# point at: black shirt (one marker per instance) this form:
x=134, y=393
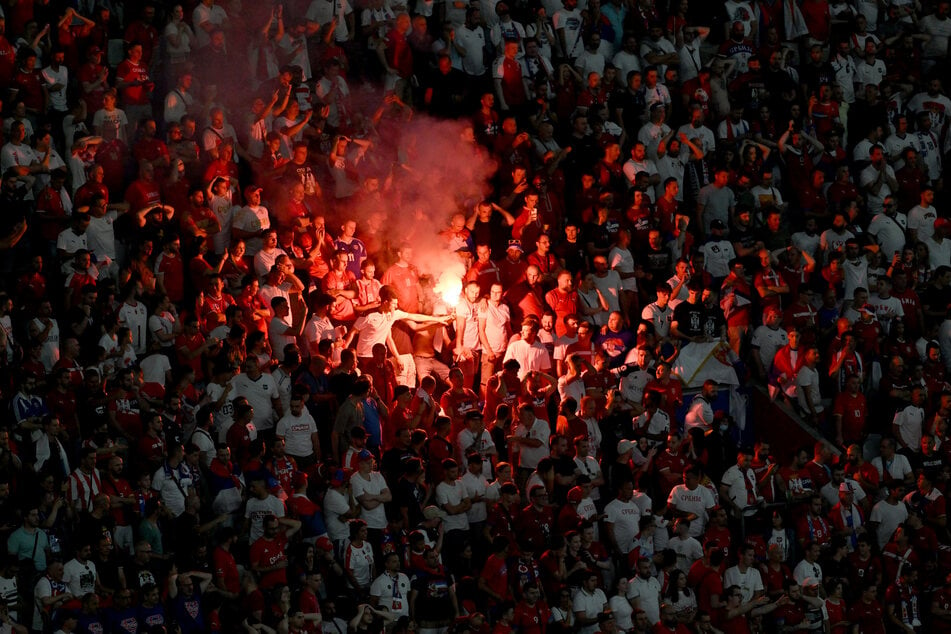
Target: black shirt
x=689, y=318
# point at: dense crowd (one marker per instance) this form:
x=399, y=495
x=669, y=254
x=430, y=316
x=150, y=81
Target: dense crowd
x=365, y=318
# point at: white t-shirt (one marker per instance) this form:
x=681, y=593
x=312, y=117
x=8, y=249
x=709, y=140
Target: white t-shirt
x=360, y=562
x=750, y=582
x=135, y=318
x=170, y=483
x=656, y=424
x=888, y=517
x=909, y=421
x=473, y=486
x=688, y=551
x=452, y=493
x=624, y=517
x=528, y=457
x=259, y=394
x=162, y=323
x=716, y=257
x=374, y=328
x=808, y=377
x=591, y=604
x=375, y=518
x=921, y=219
x=335, y=505
x=224, y=416
x=769, y=342
x=154, y=368
x=647, y=594
x=393, y=594
x=696, y=502
x=661, y=318
x=804, y=570
x=297, y=431
x=80, y=577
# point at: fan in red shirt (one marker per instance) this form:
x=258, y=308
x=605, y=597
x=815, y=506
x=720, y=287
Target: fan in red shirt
x=29, y=84
x=143, y=33
x=458, y=400
x=942, y=601
x=151, y=447
x=670, y=464
x=774, y=572
x=706, y=575
x=864, y=567
x=866, y=613
x=133, y=79
x=396, y=51
x=7, y=56
x=718, y=530
x=668, y=622
x=144, y=191
x=49, y=207
x=93, y=79
x=536, y=522
x=494, y=579
x=812, y=526
x=733, y=618
x=124, y=407
x=531, y=613
x=850, y=411
x=93, y=187
x=268, y=556
x=671, y=390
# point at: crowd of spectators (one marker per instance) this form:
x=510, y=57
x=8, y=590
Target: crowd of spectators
x=242, y=395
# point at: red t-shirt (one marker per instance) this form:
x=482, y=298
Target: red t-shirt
x=129, y=72
x=151, y=449
x=7, y=61
x=853, y=410
x=141, y=194
x=457, y=404
x=868, y=617
x=172, y=269
x=495, y=573
x=126, y=409
x=268, y=553
x=531, y=619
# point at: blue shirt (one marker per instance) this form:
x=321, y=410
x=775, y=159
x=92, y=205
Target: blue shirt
x=21, y=544
x=356, y=253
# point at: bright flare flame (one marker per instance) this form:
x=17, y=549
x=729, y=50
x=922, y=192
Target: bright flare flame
x=449, y=284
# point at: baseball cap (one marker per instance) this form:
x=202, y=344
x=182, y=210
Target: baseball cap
x=432, y=512
x=942, y=223
x=625, y=446
x=250, y=189
x=364, y=455
x=867, y=308
x=717, y=224
x=575, y=494
x=845, y=487
x=338, y=477
x=324, y=543
x=515, y=244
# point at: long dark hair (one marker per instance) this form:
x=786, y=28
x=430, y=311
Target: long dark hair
x=673, y=592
